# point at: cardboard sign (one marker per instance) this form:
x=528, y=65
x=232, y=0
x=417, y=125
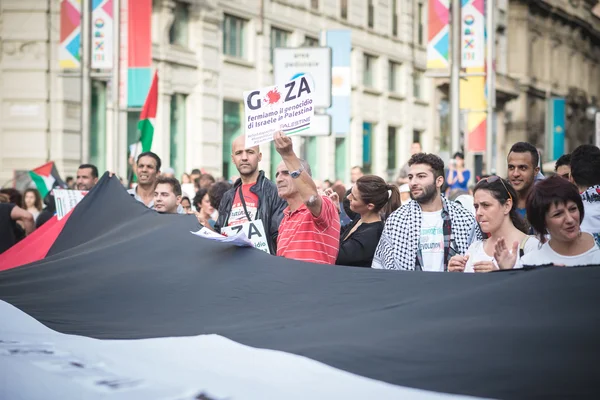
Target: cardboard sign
x=66, y=200
x=253, y=230
x=288, y=108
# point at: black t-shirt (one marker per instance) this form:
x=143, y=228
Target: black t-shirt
x=7, y=227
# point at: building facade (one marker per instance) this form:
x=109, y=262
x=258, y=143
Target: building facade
x=207, y=52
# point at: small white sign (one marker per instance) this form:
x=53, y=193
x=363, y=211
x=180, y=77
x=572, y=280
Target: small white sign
x=320, y=126
x=315, y=62
x=288, y=108
x=253, y=230
x=66, y=200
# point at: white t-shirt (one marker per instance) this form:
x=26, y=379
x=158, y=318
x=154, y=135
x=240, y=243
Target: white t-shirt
x=546, y=255
x=431, y=243
x=477, y=253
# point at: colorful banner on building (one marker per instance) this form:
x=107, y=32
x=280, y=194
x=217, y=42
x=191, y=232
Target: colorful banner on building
x=473, y=106
x=555, y=128
x=438, y=42
x=102, y=34
x=136, y=52
x=340, y=42
x=473, y=33
x=69, y=56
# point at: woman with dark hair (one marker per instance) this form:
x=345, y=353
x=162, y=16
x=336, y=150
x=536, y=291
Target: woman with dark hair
x=554, y=208
x=496, y=213
x=187, y=205
x=458, y=176
x=204, y=208
x=33, y=202
x=373, y=200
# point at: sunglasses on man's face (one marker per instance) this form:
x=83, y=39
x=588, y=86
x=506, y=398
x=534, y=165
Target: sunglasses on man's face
x=494, y=178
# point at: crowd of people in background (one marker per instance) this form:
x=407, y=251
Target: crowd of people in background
x=434, y=217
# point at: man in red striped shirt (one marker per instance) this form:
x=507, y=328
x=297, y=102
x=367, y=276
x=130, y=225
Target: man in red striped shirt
x=310, y=229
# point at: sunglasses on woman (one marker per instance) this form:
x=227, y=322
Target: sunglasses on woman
x=494, y=178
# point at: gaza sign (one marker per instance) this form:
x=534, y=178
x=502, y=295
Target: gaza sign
x=288, y=107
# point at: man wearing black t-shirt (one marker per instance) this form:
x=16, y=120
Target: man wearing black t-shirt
x=9, y=215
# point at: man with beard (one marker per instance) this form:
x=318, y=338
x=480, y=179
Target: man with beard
x=523, y=160
x=424, y=234
x=167, y=195
x=253, y=197
x=87, y=177
x=148, y=168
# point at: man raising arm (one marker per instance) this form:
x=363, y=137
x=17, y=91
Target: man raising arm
x=310, y=229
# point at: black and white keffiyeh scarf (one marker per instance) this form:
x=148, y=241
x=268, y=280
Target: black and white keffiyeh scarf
x=398, y=247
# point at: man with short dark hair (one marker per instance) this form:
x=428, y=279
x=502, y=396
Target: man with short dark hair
x=206, y=181
x=523, y=160
x=253, y=200
x=87, y=177
x=424, y=234
x=167, y=195
x=562, y=167
x=148, y=169
x=585, y=173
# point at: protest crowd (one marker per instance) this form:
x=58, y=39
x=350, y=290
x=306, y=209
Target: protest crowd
x=432, y=218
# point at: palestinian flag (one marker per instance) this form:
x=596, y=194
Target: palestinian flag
x=109, y=312
x=45, y=178
x=147, y=119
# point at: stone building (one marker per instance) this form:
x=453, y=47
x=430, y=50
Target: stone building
x=561, y=57
x=207, y=52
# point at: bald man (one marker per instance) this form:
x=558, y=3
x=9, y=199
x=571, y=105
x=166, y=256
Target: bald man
x=253, y=198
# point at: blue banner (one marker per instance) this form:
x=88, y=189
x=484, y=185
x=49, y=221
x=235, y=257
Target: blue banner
x=555, y=129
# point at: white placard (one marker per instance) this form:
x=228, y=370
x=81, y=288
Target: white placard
x=253, y=230
x=315, y=62
x=66, y=200
x=288, y=108
x=239, y=239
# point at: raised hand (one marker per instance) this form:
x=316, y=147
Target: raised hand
x=283, y=143
x=505, y=257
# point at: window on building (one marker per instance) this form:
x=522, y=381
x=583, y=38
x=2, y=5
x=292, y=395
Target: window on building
x=394, y=71
x=395, y=17
x=232, y=127
x=279, y=38
x=179, y=31
x=314, y=4
x=371, y=14
x=391, y=141
x=234, y=33
x=369, y=70
x=418, y=84
x=177, y=133
x=420, y=24
x=311, y=42
x=344, y=9
x=367, y=147
x=340, y=158
x=416, y=136
x=97, y=141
